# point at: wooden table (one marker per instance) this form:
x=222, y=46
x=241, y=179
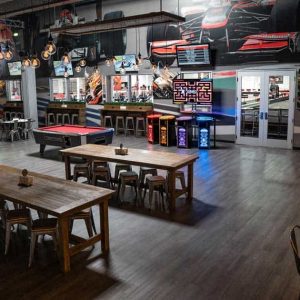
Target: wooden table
x=153, y=159
x=59, y=198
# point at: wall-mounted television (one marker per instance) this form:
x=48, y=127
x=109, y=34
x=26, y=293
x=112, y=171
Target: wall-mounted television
x=193, y=55
x=60, y=68
x=14, y=68
x=189, y=91
x=128, y=62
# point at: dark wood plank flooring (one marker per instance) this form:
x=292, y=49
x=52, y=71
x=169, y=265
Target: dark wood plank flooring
x=232, y=243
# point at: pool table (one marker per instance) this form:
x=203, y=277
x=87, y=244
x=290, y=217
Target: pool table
x=71, y=135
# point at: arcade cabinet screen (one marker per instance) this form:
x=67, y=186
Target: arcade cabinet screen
x=189, y=91
x=193, y=55
x=14, y=68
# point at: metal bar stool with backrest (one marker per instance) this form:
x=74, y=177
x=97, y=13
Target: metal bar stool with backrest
x=28, y=128
x=14, y=131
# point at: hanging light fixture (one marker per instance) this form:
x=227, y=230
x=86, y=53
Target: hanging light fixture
x=66, y=58
x=1, y=53
x=82, y=62
x=140, y=60
x=77, y=68
x=50, y=47
x=35, y=62
x=26, y=61
x=8, y=55
x=45, y=55
x=66, y=74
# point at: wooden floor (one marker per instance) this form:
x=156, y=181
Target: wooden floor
x=233, y=243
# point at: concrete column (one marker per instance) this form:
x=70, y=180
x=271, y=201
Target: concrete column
x=29, y=95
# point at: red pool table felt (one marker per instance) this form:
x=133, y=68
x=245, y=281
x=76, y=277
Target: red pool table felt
x=72, y=129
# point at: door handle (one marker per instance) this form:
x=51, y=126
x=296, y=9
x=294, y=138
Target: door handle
x=266, y=116
x=261, y=115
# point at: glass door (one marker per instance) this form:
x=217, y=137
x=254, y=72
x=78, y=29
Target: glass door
x=265, y=108
x=279, y=110
x=249, y=121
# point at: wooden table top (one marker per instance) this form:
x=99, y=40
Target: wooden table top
x=155, y=159
x=56, y=196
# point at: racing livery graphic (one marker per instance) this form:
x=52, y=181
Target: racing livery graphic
x=238, y=31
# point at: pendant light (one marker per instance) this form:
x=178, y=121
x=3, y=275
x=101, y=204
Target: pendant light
x=8, y=55
x=66, y=74
x=140, y=60
x=26, y=61
x=82, y=62
x=35, y=62
x=77, y=68
x=45, y=55
x=50, y=47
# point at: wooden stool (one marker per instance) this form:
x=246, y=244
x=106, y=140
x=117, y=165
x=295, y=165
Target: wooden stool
x=16, y=216
x=120, y=125
x=118, y=168
x=108, y=122
x=140, y=126
x=128, y=178
x=66, y=119
x=50, y=119
x=129, y=125
x=87, y=216
x=101, y=170
x=82, y=170
x=143, y=172
x=155, y=182
x=59, y=119
x=3, y=212
x=75, y=119
x=42, y=227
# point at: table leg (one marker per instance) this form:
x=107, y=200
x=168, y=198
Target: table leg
x=63, y=224
x=67, y=167
x=172, y=189
x=190, y=182
x=103, y=208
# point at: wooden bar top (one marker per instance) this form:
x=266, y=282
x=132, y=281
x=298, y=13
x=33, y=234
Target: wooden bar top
x=128, y=108
x=155, y=159
x=56, y=196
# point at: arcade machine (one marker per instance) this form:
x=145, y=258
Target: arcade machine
x=195, y=92
x=153, y=128
x=167, y=136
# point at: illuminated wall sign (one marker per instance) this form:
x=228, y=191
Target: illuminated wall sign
x=192, y=91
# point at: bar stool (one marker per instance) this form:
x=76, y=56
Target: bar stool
x=120, y=124
x=16, y=216
x=13, y=115
x=129, y=125
x=153, y=183
x=7, y=116
x=180, y=175
x=82, y=170
x=142, y=174
x=140, y=126
x=118, y=168
x=42, y=227
x=66, y=119
x=50, y=119
x=127, y=178
x=59, y=118
x=75, y=119
x=87, y=216
x=108, y=121
x=101, y=171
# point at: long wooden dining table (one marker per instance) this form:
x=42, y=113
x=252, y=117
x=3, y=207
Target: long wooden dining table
x=60, y=198
x=168, y=161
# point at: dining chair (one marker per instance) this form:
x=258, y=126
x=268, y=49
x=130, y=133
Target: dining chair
x=14, y=131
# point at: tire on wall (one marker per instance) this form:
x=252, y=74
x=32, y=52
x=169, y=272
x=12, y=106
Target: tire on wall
x=114, y=42
x=285, y=16
x=162, y=32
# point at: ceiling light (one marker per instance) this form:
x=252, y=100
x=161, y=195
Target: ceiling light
x=45, y=55
x=66, y=74
x=26, y=62
x=50, y=47
x=65, y=58
x=35, y=62
x=82, y=62
x=77, y=68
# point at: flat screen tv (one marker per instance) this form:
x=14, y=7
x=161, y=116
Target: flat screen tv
x=14, y=68
x=128, y=62
x=189, y=91
x=193, y=55
x=59, y=68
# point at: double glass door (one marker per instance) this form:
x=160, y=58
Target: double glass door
x=265, y=108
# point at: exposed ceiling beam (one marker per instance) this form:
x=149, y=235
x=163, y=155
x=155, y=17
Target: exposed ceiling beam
x=117, y=24
x=35, y=8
